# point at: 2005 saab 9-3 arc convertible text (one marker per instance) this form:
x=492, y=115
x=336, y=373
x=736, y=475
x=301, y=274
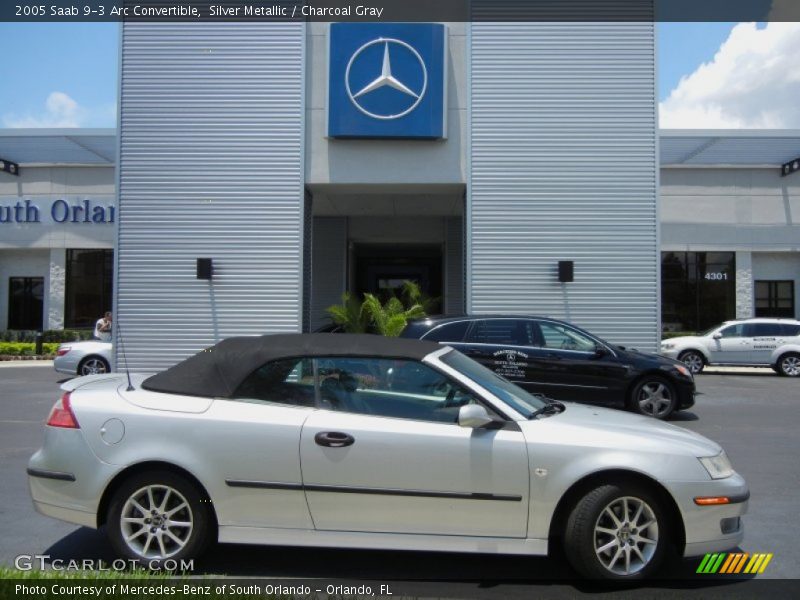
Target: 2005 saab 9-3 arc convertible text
x=368, y=442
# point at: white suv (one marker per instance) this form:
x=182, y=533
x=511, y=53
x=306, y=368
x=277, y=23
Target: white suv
x=751, y=342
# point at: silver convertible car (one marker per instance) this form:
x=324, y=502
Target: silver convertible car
x=361, y=441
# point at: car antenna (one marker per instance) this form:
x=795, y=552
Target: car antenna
x=130, y=387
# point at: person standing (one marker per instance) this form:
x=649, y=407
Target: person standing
x=102, y=329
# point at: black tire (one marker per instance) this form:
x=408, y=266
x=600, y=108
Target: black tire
x=653, y=396
x=789, y=365
x=582, y=540
x=197, y=512
x=693, y=360
x=93, y=365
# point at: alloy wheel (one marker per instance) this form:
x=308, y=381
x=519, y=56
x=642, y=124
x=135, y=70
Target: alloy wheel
x=655, y=399
x=790, y=365
x=693, y=361
x=626, y=535
x=156, y=522
x=94, y=366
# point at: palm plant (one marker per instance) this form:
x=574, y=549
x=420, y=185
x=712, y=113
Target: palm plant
x=350, y=314
x=390, y=318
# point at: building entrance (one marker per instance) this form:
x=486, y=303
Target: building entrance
x=381, y=269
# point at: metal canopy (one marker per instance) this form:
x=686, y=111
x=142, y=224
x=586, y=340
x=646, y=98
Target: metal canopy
x=59, y=146
x=723, y=147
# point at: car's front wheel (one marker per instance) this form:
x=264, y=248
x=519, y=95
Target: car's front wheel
x=653, y=396
x=693, y=360
x=93, y=365
x=789, y=365
x=617, y=532
x=157, y=516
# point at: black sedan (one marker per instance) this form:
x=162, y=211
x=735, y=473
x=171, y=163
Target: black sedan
x=564, y=362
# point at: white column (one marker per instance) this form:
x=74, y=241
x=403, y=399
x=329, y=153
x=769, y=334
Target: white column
x=744, y=285
x=56, y=289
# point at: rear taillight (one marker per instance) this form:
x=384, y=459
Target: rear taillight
x=62, y=350
x=62, y=415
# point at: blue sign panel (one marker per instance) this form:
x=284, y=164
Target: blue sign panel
x=386, y=80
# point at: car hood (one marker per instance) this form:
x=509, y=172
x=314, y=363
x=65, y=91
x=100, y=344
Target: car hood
x=681, y=340
x=589, y=426
x=656, y=359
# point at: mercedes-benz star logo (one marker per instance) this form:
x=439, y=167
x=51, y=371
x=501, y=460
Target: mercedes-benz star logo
x=386, y=79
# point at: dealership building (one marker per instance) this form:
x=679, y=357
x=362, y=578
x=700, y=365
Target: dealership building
x=309, y=160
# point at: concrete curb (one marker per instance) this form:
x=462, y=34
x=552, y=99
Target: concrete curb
x=26, y=363
x=738, y=371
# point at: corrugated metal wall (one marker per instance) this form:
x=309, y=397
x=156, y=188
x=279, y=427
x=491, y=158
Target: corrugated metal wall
x=454, y=265
x=329, y=266
x=563, y=167
x=211, y=165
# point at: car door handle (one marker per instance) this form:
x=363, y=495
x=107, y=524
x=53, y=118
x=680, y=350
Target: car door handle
x=334, y=439
x=553, y=355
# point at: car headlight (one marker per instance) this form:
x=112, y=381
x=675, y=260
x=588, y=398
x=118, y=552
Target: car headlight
x=718, y=467
x=667, y=346
x=684, y=371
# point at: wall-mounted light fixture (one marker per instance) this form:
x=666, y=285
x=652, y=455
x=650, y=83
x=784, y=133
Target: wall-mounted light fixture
x=205, y=268
x=9, y=167
x=566, y=271
x=790, y=167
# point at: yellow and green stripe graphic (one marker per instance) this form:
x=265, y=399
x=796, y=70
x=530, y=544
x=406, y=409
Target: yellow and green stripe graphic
x=734, y=562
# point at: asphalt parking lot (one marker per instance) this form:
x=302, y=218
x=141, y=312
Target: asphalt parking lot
x=755, y=416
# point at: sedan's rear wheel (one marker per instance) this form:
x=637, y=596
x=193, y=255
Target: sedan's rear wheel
x=789, y=365
x=693, y=360
x=93, y=365
x=158, y=516
x=654, y=397
x=616, y=532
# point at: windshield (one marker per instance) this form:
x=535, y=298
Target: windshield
x=524, y=403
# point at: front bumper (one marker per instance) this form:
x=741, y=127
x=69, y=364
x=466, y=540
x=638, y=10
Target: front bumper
x=672, y=353
x=711, y=528
x=686, y=391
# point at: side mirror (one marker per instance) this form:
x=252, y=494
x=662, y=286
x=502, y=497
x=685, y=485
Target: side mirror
x=717, y=336
x=474, y=416
x=600, y=351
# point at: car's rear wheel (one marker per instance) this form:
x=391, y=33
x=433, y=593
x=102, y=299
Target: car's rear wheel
x=617, y=532
x=653, y=396
x=93, y=365
x=159, y=516
x=693, y=360
x=789, y=365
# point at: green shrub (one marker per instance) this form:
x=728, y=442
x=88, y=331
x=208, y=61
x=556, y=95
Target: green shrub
x=50, y=335
x=665, y=335
x=25, y=348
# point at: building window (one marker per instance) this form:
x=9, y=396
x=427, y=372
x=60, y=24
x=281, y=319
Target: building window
x=25, y=302
x=775, y=298
x=90, y=275
x=698, y=289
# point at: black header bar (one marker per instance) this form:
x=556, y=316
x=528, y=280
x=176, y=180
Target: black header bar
x=400, y=10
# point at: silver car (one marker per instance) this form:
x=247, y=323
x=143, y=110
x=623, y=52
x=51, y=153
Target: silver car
x=360, y=441
x=91, y=357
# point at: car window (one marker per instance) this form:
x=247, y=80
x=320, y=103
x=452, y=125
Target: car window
x=404, y=389
x=762, y=330
x=732, y=331
x=289, y=381
x=561, y=337
x=450, y=332
x=514, y=332
x=790, y=330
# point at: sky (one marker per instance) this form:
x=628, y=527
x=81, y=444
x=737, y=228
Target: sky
x=710, y=75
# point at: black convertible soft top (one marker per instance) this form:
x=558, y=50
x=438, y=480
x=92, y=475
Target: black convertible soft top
x=217, y=371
